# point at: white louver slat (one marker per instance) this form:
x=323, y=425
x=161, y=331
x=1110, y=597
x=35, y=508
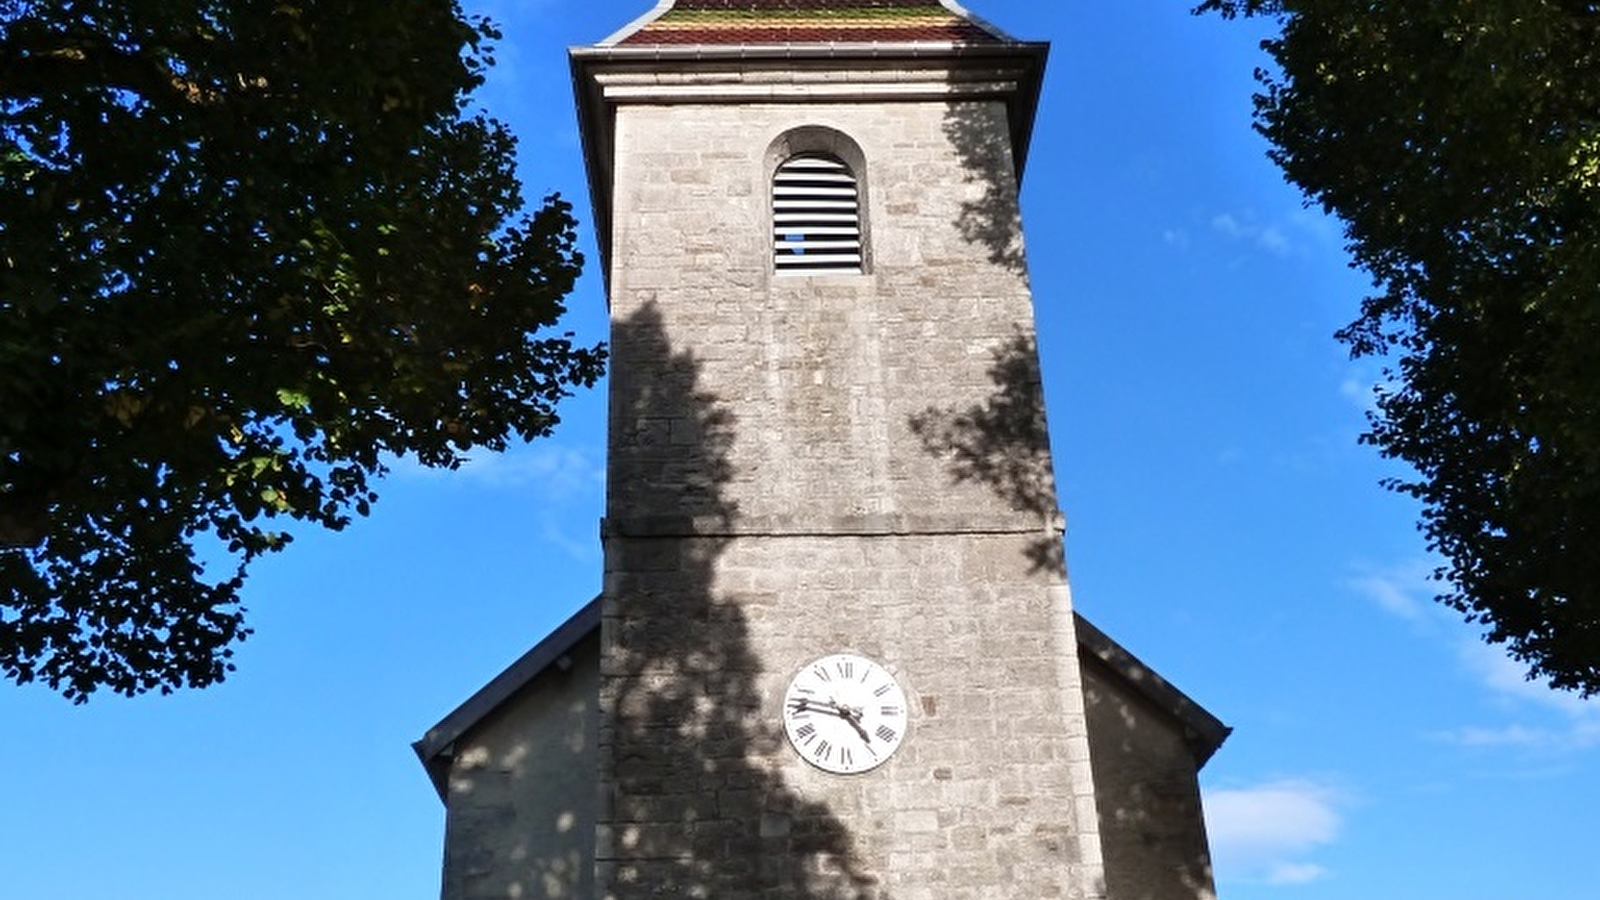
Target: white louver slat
x=816, y=216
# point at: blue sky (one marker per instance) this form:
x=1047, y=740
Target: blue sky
x=1224, y=525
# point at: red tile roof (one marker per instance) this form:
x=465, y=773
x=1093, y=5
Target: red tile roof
x=810, y=22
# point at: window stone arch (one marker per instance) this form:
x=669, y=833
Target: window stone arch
x=818, y=203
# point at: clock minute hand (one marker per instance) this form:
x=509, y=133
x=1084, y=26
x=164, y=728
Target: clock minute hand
x=803, y=704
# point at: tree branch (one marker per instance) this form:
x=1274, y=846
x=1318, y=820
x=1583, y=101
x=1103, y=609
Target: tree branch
x=67, y=66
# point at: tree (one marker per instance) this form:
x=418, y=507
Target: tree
x=1459, y=143
x=249, y=250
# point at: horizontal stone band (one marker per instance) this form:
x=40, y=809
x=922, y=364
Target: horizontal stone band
x=827, y=526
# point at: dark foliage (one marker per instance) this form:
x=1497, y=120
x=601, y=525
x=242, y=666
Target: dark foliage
x=1459, y=142
x=248, y=251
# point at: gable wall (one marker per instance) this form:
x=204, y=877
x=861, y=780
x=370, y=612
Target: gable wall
x=520, y=820
x=1148, y=793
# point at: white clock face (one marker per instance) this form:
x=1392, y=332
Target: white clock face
x=844, y=713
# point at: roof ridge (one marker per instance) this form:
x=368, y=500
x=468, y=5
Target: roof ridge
x=736, y=22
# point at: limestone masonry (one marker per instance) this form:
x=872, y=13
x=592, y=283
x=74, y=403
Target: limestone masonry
x=808, y=464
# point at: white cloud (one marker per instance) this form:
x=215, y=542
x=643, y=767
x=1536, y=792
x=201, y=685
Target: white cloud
x=559, y=487
x=1265, y=834
x=556, y=533
x=1302, y=231
x=1296, y=873
x=1272, y=240
x=1361, y=393
x=1508, y=680
x=1362, y=382
x=1325, y=229
x=1564, y=723
x=1228, y=225
x=1535, y=721
x=1405, y=590
x=1508, y=736
x=560, y=472
x=1265, y=237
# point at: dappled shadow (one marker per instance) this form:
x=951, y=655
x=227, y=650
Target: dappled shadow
x=1003, y=442
x=988, y=214
x=1146, y=758
x=519, y=824
x=694, y=803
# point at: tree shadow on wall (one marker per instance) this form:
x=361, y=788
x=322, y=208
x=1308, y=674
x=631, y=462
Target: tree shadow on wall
x=1145, y=756
x=1003, y=443
x=694, y=803
x=989, y=214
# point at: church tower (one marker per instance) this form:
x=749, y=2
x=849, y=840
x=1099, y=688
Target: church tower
x=835, y=656
x=827, y=456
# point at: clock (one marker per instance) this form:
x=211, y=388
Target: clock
x=845, y=714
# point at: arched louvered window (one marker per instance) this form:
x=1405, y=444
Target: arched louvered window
x=816, y=217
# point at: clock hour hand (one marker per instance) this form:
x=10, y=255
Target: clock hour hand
x=852, y=716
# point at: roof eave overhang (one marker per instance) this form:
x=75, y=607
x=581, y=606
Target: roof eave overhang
x=1203, y=732
x=437, y=746
x=606, y=77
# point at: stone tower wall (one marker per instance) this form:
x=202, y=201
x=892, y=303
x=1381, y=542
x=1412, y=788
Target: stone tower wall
x=808, y=465
x=826, y=376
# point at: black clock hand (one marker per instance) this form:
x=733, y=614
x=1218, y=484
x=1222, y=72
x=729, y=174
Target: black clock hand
x=852, y=716
x=803, y=704
x=865, y=738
